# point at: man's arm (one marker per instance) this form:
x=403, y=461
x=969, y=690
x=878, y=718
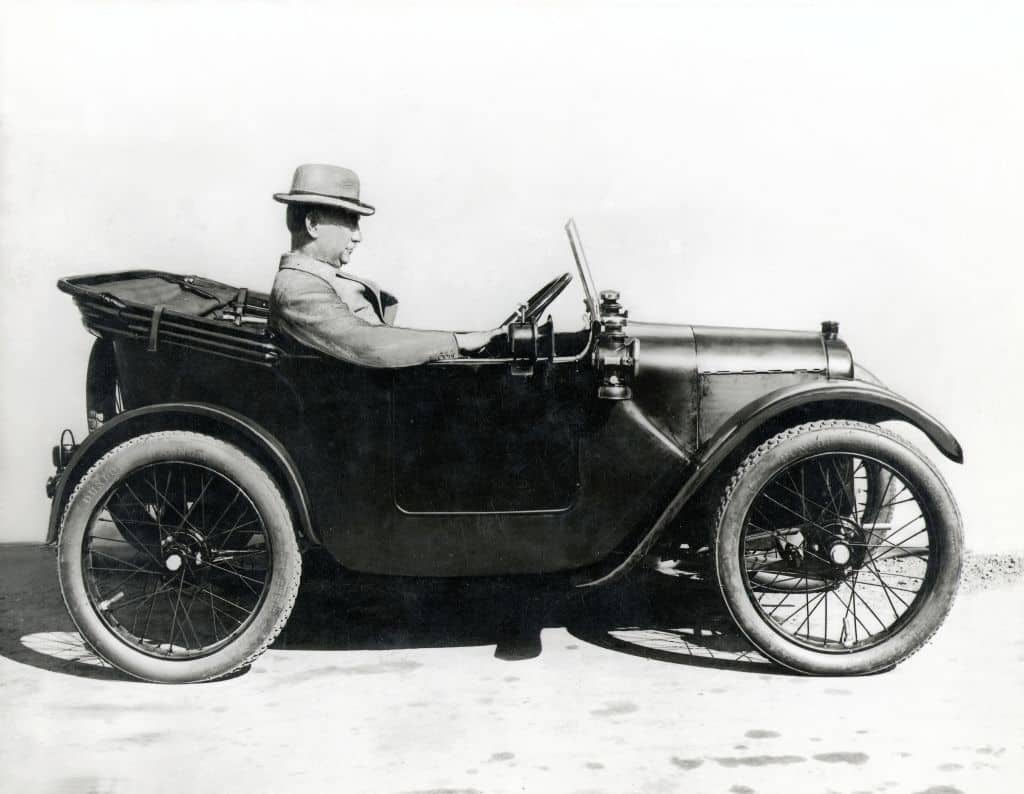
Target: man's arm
x=306, y=308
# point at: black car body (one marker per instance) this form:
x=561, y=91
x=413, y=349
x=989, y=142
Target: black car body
x=574, y=453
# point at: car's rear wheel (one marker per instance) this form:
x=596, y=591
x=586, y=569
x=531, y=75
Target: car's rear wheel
x=837, y=548
x=177, y=557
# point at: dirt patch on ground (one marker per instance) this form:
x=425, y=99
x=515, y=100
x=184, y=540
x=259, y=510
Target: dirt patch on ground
x=988, y=571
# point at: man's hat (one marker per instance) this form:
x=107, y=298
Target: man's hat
x=327, y=186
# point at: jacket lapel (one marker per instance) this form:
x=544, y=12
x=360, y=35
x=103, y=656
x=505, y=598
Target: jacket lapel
x=385, y=304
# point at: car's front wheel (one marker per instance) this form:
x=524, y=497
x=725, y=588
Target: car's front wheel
x=177, y=557
x=837, y=548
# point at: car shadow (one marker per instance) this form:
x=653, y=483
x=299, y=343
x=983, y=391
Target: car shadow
x=673, y=619
x=663, y=618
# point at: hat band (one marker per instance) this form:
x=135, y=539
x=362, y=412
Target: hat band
x=326, y=195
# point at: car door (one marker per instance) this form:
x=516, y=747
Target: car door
x=472, y=438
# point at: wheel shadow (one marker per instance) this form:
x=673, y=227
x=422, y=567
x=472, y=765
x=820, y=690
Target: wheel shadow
x=35, y=629
x=666, y=619
x=670, y=620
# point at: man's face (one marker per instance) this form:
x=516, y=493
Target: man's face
x=337, y=235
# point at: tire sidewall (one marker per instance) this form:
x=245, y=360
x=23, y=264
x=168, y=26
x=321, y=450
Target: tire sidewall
x=935, y=500
x=250, y=477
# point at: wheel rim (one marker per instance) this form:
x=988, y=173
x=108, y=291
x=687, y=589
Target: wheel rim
x=176, y=560
x=830, y=563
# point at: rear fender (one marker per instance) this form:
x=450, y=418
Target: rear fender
x=225, y=424
x=775, y=411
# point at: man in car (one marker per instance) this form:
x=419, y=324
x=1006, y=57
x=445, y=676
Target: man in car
x=335, y=312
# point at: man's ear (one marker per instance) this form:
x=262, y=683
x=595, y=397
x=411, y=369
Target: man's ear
x=312, y=222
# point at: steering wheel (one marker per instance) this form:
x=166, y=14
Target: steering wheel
x=540, y=300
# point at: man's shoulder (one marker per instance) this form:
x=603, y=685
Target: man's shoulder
x=296, y=293
x=289, y=280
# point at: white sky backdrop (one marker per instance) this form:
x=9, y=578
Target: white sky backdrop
x=764, y=165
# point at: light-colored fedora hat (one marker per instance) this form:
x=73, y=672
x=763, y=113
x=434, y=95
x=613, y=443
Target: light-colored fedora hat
x=325, y=185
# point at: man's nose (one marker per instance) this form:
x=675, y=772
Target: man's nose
x=357, y=236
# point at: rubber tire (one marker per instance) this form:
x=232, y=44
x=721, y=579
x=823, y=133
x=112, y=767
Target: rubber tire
x=227, y=459
x=857, y=438
x=878, y=487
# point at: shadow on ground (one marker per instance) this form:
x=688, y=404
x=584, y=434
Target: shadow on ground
x=664, y=618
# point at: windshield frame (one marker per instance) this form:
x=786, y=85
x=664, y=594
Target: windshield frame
x=583, y=267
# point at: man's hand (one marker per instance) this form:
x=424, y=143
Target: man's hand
x=475, y=341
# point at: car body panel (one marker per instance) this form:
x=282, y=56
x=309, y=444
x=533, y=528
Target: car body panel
x=471, y=467
x=666, y=392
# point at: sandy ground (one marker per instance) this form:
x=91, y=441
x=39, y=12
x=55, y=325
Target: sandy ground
x=419, y=686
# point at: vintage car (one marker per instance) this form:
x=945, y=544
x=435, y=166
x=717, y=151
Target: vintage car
x=220, y=450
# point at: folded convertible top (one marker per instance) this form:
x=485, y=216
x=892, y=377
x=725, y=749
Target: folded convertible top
x=185, y=311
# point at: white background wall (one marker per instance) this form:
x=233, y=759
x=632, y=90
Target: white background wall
x=764, y=165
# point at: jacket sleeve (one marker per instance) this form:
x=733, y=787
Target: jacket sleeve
x=307, y=309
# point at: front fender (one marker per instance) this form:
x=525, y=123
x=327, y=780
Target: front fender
x=851, y=399
x=185, y=416
x=847, y=399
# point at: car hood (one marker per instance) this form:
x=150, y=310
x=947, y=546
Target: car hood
x=709, y=350
x=740, y=350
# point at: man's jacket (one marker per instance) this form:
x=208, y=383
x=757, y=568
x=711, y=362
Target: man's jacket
x=348, y=318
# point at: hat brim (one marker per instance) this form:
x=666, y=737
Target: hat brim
x=325, y=201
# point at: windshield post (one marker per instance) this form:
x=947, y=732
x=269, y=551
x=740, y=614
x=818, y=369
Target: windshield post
x=589, y=290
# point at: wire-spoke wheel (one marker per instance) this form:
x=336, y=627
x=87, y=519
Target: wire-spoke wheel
x=838, y=548
x=178, y=560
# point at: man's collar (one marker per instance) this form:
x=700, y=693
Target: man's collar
x=317, y=267
x=307, y=264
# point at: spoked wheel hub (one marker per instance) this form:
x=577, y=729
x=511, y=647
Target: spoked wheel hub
x=186, y=549
x=839, y=553
x=840, y=545
x=813, y=558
